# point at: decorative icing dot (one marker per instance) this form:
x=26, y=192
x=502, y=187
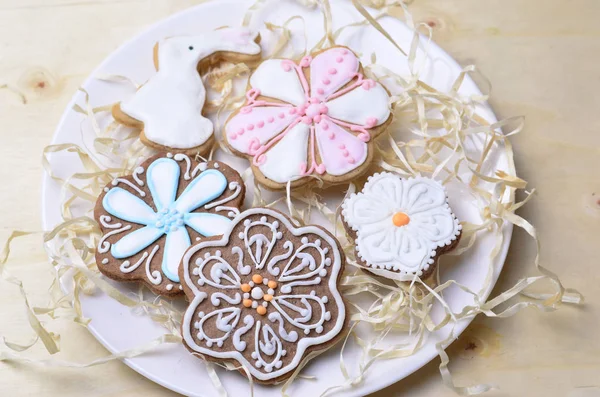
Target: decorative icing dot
x=265, y=304
x=325, y=126
x=332, y=71
x=233, y=137
x=371, y=121
x=169, y=287
x=268, y=297
x=342, y=146
x=345, y=153
x=247, y=303
x=241, y=131
x=345, y=52
x=250, y=127
x=293, y=111
x=400, y=219
x=104, y=261
x=254, y=304
x=272, y=284
x=331, y=135
x=351, y=160
x=326, y=81
x=260, y=124
x=257, y=293
x=257, y=278
x=261, y=310
x=271, y=291
x=270, y=119
x=246, y=288
x=339, y=59
x=320, y=91
x=281, y=115
x=286, y=66
x=307, y=120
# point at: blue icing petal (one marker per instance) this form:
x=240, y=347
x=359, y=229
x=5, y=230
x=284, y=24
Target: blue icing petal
x=178, y=242
x=134, y=242
x=208, y=224
x=122, y=204
x=163, y=180
x=206, y=187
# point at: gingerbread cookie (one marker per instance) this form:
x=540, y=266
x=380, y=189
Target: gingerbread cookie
x=400, y=226
x=315, y=118
x=150, y=218
x=264, y=295
x=169, y=106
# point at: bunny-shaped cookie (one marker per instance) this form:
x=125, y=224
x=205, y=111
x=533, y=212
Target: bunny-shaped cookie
x=169, y=106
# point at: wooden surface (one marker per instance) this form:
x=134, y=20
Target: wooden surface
x=542, y=57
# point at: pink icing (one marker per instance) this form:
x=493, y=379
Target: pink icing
x=329, y=75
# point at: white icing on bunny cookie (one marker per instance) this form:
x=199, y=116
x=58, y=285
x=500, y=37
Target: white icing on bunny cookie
x=170, y=103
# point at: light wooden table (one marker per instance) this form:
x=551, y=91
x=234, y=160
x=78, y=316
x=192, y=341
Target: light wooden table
x=543, y=58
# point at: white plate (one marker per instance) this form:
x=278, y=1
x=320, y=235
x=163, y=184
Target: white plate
x=118, y=329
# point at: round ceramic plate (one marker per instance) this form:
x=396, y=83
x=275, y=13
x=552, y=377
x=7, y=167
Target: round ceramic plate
x=118, y=328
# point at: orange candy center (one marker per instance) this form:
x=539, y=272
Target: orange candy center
x=400, y=219
x=255, y=294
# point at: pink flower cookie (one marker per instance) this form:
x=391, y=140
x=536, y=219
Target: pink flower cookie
x=315, y=118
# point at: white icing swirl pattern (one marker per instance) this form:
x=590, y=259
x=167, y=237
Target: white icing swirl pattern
x=400, y=223
x=270, y=282
x=168, y=214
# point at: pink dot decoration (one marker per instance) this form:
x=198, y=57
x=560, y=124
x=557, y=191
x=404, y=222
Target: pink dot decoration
x=342, y=146
x=323, y=109
x=270, y=119
x=317, y=119
x=325, y=126
x=339, y=59
x=240, y=131
x=332, y=71
x=260, y=124
x=326, y=81
x=331, y=135
x=232, y=137
x=306, y=120
x=250, y=127
x=286, y=67
x=351, y=160
x=281, y=115
x=345, y=52
x=371, y=121
x=293, y=111
x=320, y=91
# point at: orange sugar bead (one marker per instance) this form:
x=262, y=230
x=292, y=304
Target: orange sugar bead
x=247, y=302
x=268, y=297
x=261, y=310
x=257, y=278
x=246, y=287
x=400, y=219
x=272, y=284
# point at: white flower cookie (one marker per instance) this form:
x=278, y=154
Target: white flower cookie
x=168, y=107
x=264, y=296
x=400, y=226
